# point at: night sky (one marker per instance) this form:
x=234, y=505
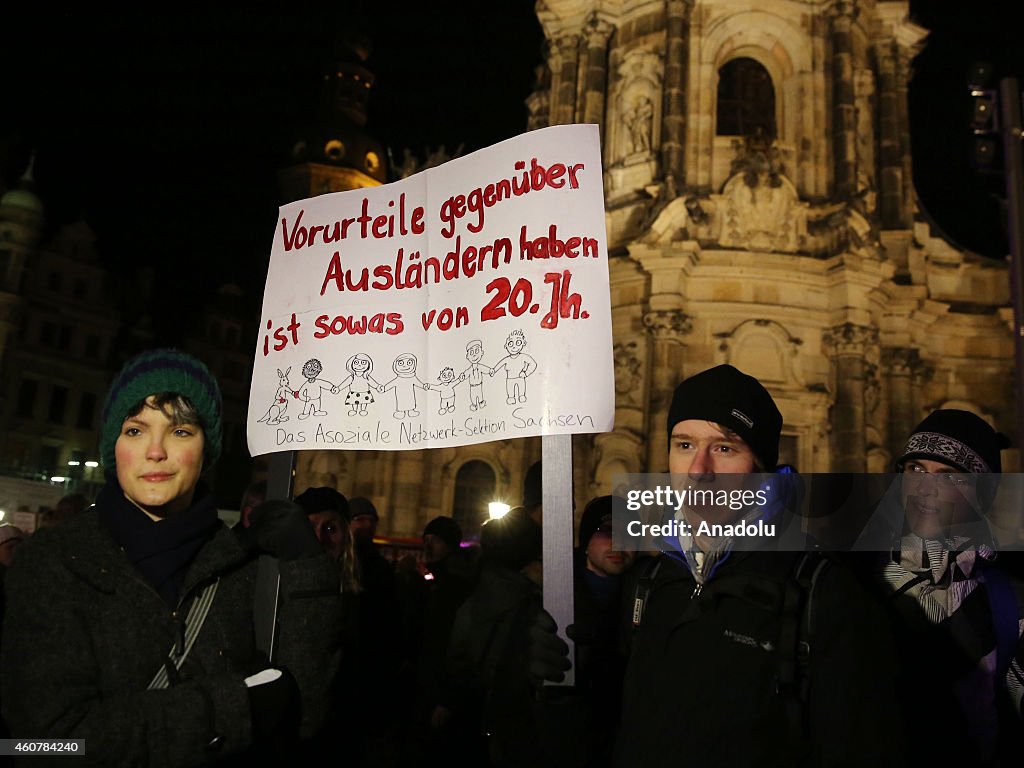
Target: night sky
x=166, y=131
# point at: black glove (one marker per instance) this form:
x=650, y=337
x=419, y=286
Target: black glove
x=548, y=655
x=274, y=705
x=281, y=528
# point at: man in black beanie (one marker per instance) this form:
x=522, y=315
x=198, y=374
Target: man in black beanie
x=753, y=657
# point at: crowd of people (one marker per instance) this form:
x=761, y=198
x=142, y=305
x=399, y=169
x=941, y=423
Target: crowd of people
x=140, y=623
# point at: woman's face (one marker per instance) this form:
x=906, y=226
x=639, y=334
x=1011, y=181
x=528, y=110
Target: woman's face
x=158, y=462
x=360, y=364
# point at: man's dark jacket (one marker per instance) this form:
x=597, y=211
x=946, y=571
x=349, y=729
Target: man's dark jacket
x=702, y=681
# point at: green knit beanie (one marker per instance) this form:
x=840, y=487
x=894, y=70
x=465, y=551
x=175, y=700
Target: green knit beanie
x=153, y=372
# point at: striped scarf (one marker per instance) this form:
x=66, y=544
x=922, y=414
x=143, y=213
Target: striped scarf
x=940, y=576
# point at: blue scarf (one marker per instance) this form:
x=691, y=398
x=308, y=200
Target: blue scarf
x=161, y=550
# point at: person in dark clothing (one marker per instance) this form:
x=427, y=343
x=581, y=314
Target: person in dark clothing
x=381, y=654
x=600, y=664
x=737, y=656
x=490, y=691
x=451, y=582
x=958, y=621
x=130, y=625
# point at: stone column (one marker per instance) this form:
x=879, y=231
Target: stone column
x=906, y=214
x=900, y=363
x=844, y=108
x=890, y=182
x=666, y=328
x=849, y=343
x=564, y=68
x=595, y=79
x=673, y=121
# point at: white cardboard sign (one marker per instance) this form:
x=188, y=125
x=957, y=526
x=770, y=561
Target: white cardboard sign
x=467, y=303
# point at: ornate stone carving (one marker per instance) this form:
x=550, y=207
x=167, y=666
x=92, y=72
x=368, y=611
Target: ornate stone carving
x=597, y=31
x=640, y=75
x=638, y=122
x=850, y=339
x=627, y=372
x=865, y=193
x=760, y=205
x=901, y=361
x=668, y=323
x=872, y=390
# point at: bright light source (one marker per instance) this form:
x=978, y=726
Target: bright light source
x=57, y=479
x=74, y=463
x=3, y=514
x=92, y=464
x=497, y=509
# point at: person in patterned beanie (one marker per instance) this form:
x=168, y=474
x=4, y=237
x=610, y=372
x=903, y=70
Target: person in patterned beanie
x=954, y=613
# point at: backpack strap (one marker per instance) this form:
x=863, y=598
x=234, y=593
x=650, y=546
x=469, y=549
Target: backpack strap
x=796, y=635
x=185, y=637
x=643, y=589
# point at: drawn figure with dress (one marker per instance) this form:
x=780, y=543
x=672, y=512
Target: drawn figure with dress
x=404, y=384
x=312, y=389
x=517, y=365
x=475, y=373
x=360, y=384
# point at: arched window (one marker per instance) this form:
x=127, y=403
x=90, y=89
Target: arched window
x=746, y=100
x=474, y=489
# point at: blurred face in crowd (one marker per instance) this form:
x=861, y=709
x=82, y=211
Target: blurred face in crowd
x=363, y=527
x=159, y=460
x=937, y=496
x=602, y=557
x=331, y=531
x=7, y=550
x=434, y=549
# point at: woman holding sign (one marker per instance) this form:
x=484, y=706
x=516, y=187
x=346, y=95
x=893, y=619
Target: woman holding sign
x=130, y=626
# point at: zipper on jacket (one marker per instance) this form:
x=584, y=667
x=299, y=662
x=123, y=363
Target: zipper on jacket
x=696, y=590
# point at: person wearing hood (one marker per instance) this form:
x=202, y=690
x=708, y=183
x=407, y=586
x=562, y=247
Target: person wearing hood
x=130, y=625
x=956, y=616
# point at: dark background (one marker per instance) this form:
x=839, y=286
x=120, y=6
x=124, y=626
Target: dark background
x=165, y=129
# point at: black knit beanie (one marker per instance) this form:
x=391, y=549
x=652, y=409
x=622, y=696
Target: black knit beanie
x=598, y=512
x=513, y=540
x=360, y=505
x=733, y=400
x=323, y=499
x=446, y=529
x=155, y=372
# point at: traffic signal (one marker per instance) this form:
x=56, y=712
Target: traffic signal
x=985, y=145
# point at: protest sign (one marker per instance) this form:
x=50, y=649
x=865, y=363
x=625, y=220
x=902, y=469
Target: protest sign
x=467, y=303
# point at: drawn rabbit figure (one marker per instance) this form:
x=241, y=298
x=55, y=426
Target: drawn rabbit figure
x=276, y=412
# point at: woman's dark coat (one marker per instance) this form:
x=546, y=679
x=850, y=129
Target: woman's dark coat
x=85, y=634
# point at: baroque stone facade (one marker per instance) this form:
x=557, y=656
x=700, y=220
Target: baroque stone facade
x=792, y=251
